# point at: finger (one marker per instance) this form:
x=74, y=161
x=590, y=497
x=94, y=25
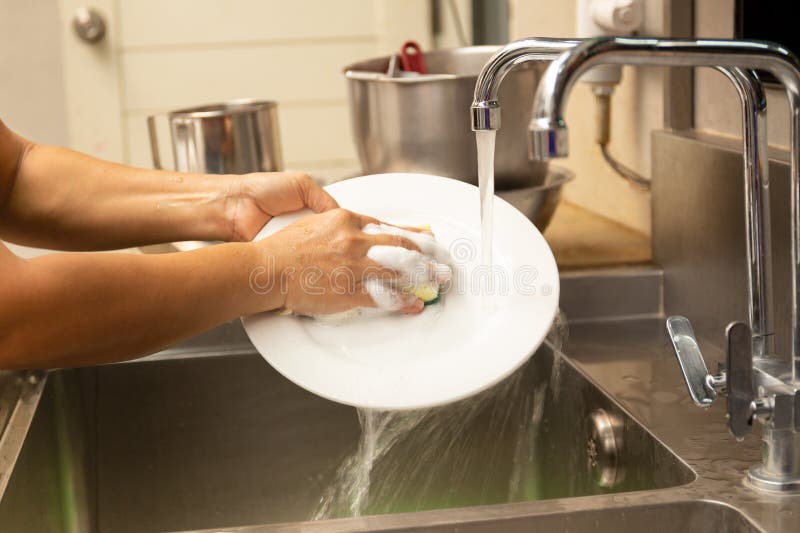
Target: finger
x=423, y=272
x=367, y=220
x=393, y=240
x=388, y=298
x=424, y=241
x=317, y=198
x=374, y=270
x=413, y=267
x=417, y=307
x=416, y=229
x=422, y=228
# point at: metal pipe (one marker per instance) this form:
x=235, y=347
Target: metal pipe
x=548, y=131
x=757, y=205
x=485, y=109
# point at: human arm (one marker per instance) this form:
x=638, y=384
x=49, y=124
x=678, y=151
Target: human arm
x=78, y=309
x=83, y=309
x=73, y=309
x=55, y=198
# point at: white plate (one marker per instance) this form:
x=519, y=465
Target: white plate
x=453, y=349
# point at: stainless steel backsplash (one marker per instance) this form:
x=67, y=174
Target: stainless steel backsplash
x=699, y=232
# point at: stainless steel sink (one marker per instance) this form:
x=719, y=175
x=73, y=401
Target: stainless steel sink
x=221, y=442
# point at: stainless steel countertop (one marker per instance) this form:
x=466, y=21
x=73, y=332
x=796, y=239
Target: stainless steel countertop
x=633, y=361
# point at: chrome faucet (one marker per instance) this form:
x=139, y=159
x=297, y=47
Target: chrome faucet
x=485, y=109
x=758, y=386
x=485, y=115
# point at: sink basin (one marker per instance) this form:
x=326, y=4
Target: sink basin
x=198, y=443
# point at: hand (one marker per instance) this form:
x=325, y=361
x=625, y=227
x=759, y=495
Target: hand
x=256, y=198
x=322, y=267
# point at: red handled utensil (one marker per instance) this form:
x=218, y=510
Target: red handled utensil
x=411, y=58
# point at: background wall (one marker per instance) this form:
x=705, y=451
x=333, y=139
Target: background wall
x=31, y=84
x=716, y=104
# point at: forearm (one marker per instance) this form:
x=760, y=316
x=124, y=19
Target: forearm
x=84, y=309
x=65, y=200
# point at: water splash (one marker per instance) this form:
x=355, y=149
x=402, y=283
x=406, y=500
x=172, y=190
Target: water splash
x=380, y=431
x=480, y=450
x=558, y=334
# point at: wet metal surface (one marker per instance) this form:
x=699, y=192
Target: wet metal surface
x=634, y=362
x=226, y=443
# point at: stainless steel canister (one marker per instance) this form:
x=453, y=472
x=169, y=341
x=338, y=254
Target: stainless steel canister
x=235, y=137
x=421, y=123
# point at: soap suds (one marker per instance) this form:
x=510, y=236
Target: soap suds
x=386, y=297
x=425, y=241
x=415, y=269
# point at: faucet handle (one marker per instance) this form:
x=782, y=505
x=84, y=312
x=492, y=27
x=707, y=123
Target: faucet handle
x=702, y=386
x=739, y=378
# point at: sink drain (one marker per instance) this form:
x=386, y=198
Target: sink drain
x=604, y=448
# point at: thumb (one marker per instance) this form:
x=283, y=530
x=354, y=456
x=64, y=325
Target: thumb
x=318, y=198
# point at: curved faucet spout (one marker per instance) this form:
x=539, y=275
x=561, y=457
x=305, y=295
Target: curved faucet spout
x=547, y=130
x=548, y=138
x=485, y=110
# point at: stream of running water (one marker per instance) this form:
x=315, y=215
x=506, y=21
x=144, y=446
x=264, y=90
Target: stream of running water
x=480, y=449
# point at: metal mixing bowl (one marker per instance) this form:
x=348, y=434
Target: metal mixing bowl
x=539, y=203
x=421, y=124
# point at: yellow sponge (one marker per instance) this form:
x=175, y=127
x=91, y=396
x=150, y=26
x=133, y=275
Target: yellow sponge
x=425, y=292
